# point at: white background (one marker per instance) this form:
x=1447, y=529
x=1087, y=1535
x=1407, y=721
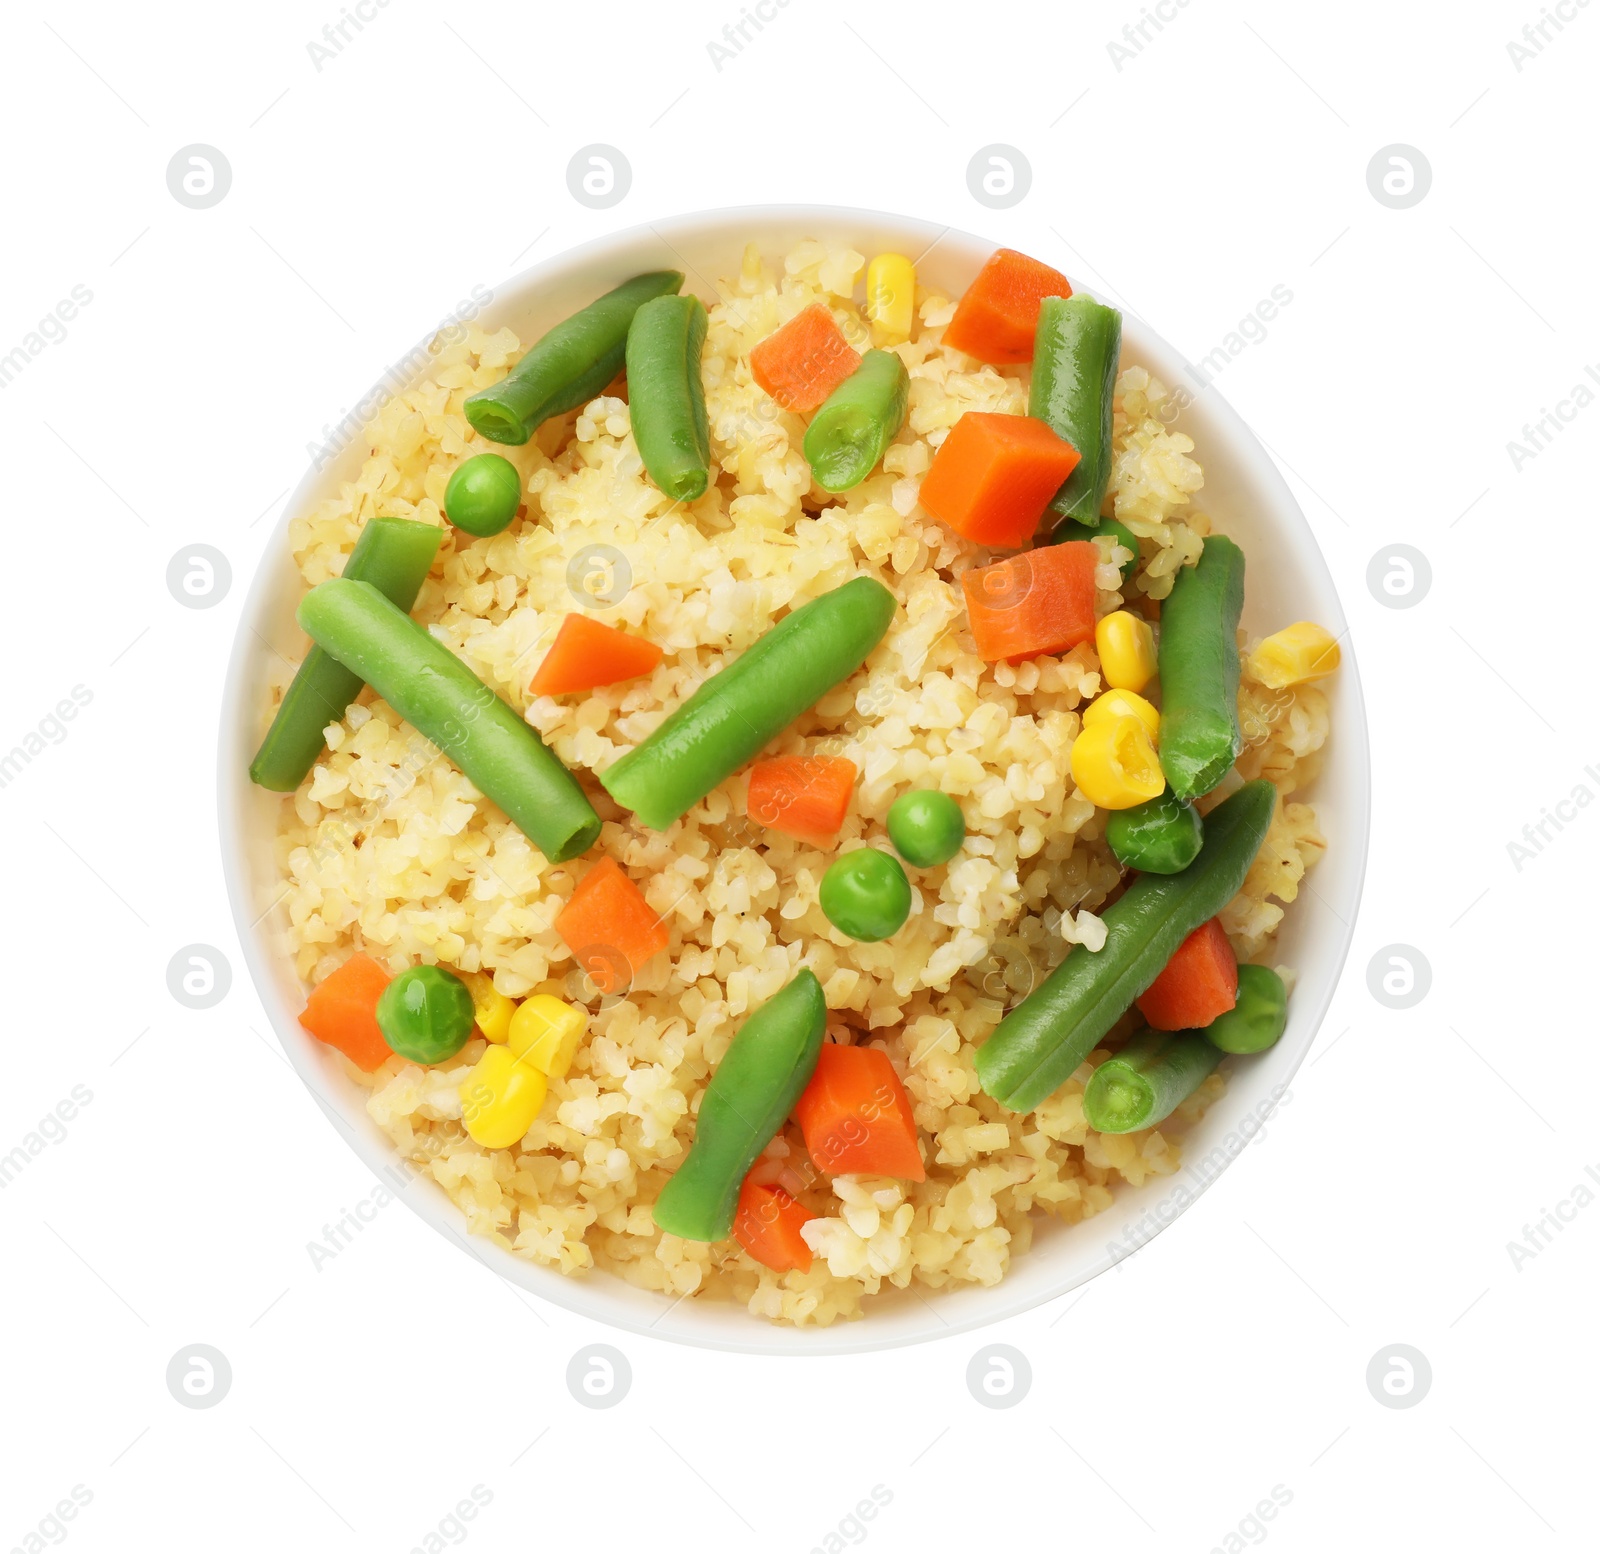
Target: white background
x=1227, y=157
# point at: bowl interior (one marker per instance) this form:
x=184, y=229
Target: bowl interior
x=1287, y=580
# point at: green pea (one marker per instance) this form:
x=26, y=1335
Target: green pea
x=426, y=1014
x=1258, y=1016
x=926, y=827
x=483, y=495
x=1161, y=836
x=866, y=894
x=1120, y=532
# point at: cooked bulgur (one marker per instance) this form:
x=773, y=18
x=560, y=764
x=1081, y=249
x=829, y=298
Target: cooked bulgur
x=389, y=849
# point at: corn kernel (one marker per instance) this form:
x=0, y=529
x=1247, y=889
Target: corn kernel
x=1124, y=704
x=891, y=290
x=1303, y=651
x=500, y=1098
x=1127, y=648
x=1115, y=765
x=546, y=1032
x=491, y=1009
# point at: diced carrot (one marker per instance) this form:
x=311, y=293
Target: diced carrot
x=343, y=1011
x=994, y=475
x=1200, y=982
x=767, y=1225
x=998, y=313
x=587, y=653
x=804, y=796
x=610, y=928
x=856, y=1116
x=802, y=363
x=1041, y=601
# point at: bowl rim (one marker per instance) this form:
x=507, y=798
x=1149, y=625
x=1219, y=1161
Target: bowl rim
x=734, y=1329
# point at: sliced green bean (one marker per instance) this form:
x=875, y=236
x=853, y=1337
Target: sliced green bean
x=760, y=1077
x=1161, y=836
x=666, y=398
x=1042, y=1041
x=1147, y=1080
x=1259, y=1014
x=445, y=702
x=858, y=421
x=1198, y=660
x=567, y=366
x=1076, y=347
x=750, y=702
x=393, y=554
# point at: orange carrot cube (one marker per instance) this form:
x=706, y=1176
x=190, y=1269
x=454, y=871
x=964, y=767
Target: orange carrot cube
x=610, y=928
x=802, y=363
x=1200, y=982
x=1041, y=601
x=343, y=1012
x=767, y=1225
x=587, y=653
x=804, y=796
x=994, y=475
x=856, y=1116
x=998, y=313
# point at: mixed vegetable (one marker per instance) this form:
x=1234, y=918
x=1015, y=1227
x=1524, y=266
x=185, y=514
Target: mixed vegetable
x=1163, y=734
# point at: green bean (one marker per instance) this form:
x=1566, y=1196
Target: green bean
x=1259, y=1014
x=857, y=421
x=393, y=554
x=1160, y=836
x=1147, y=1080
x=445, y=702
x=1075, y=353
x=567, y=366
x=1110, y=528
x=767, y=1065
x=751, y=702
x=1042, y=1041
x=1198, y=661
x=666, y=398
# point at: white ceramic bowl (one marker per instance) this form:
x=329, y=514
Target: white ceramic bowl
x=1287, y=580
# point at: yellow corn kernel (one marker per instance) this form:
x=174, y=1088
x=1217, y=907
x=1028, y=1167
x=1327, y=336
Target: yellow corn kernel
x=1115, y=765
x=891, y=290
x=1124, y=704
x=491, y=1009
x=1303, y=651
x=1127, y=649
x=500, y=1098
x=546, y=1032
